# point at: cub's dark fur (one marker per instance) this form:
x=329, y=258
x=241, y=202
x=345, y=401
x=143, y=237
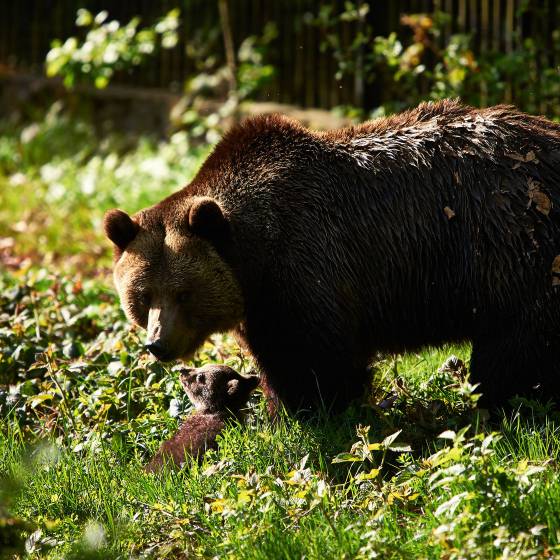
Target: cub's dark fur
x=438, y=224
x=218, y=393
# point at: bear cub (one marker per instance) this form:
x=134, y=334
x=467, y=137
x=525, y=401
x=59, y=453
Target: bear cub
x=218, y=394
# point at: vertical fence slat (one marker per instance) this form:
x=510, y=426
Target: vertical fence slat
x=484, y=44
x=496, y=25
x=304, y=75
x=462, y=15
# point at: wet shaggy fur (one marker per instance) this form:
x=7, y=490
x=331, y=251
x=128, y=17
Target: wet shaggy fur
x=438, y=224
x=218, y=394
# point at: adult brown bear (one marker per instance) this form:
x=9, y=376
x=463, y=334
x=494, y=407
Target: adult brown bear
x=320, y=249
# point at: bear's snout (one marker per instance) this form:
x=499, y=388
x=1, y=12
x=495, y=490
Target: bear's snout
x=157, y=349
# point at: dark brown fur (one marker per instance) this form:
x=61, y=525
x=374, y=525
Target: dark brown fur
x=438, y=224
x=218, y=394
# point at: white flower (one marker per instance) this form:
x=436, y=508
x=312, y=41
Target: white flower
x=94, y=535
x=112, y=26
x=29, y=132
x=101, y=17
x=53, y=54
x=56, y=191
x=18, y=179
x=70, y=44
x=156, y=167
x=111, y=161
x=212, y=136
x=88, y=183
x=50, y=173
x=111, y=54
x=146, y=48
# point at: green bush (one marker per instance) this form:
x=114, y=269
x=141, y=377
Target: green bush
x=108, y=47
x=428, y=62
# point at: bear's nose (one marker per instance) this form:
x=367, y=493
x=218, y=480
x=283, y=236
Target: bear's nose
x=156, y=348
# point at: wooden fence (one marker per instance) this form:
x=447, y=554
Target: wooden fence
x=304, y=74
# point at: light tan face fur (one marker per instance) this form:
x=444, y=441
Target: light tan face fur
x=178, y=288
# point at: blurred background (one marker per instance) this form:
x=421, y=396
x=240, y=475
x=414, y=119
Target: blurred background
x=116, y=103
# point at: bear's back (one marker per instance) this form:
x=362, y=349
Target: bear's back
x=424, y=219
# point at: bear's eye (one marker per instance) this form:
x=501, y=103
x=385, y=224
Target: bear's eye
x=200, y=379
x=145, y=298
x=183, y=297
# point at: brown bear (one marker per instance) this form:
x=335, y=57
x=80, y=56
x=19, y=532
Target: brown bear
x=218, y=394
x=321, y=249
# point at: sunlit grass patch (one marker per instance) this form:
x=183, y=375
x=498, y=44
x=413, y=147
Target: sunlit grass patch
x=57, y=179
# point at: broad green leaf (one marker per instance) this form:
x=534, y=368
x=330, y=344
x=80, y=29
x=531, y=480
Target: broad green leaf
x=373, y=473
x=346, y=458
x=38, y=399
x=448, y=434
x=390, y=439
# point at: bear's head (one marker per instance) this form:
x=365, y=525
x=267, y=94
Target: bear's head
x=170, y=276
x=217, y=388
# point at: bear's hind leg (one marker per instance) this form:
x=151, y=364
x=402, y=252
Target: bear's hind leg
x=515, y=362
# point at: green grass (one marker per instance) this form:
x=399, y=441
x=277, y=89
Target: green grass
x=82, y=409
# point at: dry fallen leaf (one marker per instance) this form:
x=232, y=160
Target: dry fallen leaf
x=6, y=243
x=530, y=156
x=449, y=213
x=20, y=227
x=536, y=196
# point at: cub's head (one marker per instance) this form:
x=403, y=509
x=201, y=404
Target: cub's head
x=214, y=388
x=170, y=276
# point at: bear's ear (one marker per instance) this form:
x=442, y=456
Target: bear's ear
x=245, y=384
x=120, y=228
x=206, y=218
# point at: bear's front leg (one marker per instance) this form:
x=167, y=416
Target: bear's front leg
x=301, y=386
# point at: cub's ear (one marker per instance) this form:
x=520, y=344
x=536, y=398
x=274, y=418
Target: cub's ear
x=206, y=218
x=184, y=377
x=120, y=228
x=245, y=384
x=249, y=383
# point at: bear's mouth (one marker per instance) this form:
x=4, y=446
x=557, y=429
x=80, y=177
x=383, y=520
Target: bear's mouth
x=169, y=351
x=159, y=351
x=164, y=357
